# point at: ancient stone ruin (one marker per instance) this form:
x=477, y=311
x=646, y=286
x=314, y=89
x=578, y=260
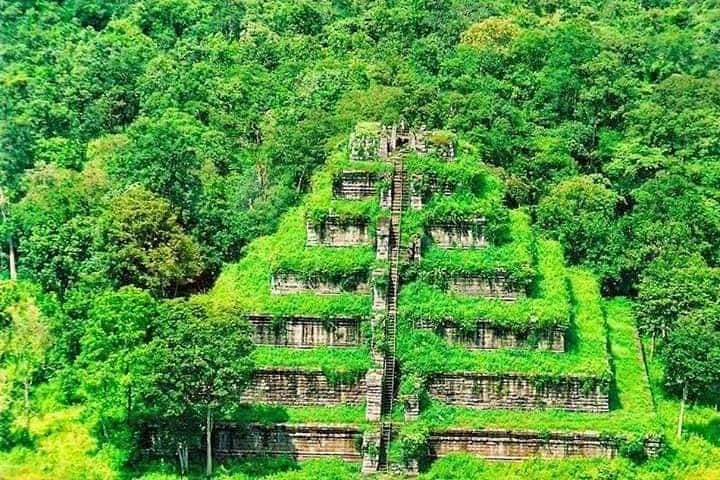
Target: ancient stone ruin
x=301, y=387
x=480, y=286
x=335, y=233
x=378, y=328
x=284, y=283
x=305, y=332
x=355, y=185
x=486, y=336
x=469, y=234
x=512, y=391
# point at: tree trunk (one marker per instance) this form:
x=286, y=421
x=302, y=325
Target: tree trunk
x=681, y=417
x=208, y=442
x=11, y=246
x=182, y=452
x=26, y=398
x=11, y=259
x=652, y=347
x=301, y=180
x=128, y=403
x=104, y=428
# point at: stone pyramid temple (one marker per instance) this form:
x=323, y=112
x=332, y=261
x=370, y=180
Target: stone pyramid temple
x=403, y=312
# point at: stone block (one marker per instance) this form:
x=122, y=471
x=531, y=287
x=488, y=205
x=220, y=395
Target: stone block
x=513, y=391
x=305, y=332
x=334, y=234
x=379, y=291
x=463, y=235
x=373, y=402
x=297, y=441
x=412, y=408
x=354, y=185
x=283, y=283
x=478, y=286
x=487, y=336
x=382, y=239
x=370, y=452
x=286, y=386
x=520, y=445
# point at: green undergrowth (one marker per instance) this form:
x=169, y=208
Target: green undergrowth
x=320, y=203
x=272, y=414
x=245, y=286
x=266, y=468
x=423, y=352
x=632, y=416
x=339, y=365
x=464, y=174
x=461, y=207
x=514, y=260
x=462, y=466
x=476, y=192
x=334, y=264
x=547, y=306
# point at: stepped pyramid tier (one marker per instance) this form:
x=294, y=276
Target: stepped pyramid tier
x=305, y=332
x=402, y=286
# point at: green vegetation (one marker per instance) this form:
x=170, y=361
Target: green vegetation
x=269, y=414
x=246, y=286
x=321, y=204
x=463, y=174
x=547, y=306
x=513, y=260
x=424, y=352
x=441, y=137
x=632, y=416
x=344, y=365
x=476, y=192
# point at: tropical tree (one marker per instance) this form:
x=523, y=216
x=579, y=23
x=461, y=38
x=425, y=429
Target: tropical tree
x=145, y=246
x=580, y=212
x=110, y=366
x=692, y=359
x=672, y=288
x=200, y=363
x=24, y=339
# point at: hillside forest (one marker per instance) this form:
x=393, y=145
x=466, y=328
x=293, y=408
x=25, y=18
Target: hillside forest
x=145, y=143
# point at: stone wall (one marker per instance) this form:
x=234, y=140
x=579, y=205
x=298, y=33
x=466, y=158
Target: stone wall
x=371, y=452
x=305, y=332
x=382, y=239
x=467, y=235
x=489, y=337
x=432, y=186
x=379, y=291
x=300, y=388
x=512, y=391
x=441, y=144
x=482, y=287
x=354, y=184
x=334, y=234
x=375, y=142
x=288, y=282
x=368, y=142
x=518, y=445
x=298, y=441
x=373, y=397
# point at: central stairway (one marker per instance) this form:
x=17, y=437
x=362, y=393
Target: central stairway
x=389, y=364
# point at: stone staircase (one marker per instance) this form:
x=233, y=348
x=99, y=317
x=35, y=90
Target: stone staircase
x=389, y=364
